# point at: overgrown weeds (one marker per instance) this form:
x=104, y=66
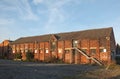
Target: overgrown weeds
x=53, y=60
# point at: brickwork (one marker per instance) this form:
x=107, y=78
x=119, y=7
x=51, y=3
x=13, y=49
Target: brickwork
x=5, y=49
x=42, y=50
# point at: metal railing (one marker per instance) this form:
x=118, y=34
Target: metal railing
x=87, y=56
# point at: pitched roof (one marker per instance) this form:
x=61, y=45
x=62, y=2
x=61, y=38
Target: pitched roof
x=85, y=34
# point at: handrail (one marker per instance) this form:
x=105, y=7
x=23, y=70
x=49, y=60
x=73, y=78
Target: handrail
x=82, y=53
x=94, y=59
x=88, y=57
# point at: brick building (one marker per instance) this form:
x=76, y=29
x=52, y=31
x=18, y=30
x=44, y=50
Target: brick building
x=5, y=49
x=80, y=47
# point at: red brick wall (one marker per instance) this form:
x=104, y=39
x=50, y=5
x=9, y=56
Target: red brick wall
x=95, y=45
x=85, y=44
x=68, y=44
x=60, y=49
x=47, y=51
x=31, y=47
x=63, y=50
x=42, y=51
x=5, y=49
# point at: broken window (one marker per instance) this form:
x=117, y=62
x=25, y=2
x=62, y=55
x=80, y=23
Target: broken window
x=102, y=49
x=75, y=43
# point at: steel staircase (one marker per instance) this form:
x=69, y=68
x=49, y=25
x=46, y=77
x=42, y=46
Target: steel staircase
x=87, y=56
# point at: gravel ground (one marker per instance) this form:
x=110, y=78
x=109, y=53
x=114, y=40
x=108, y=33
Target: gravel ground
x=28, y=70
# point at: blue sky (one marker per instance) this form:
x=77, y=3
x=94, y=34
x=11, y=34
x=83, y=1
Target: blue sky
x=21, y=18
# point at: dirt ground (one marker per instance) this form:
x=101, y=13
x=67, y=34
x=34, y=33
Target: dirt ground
x=30, y=70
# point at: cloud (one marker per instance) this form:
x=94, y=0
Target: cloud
x=55, y=13
x=25, y=10
x=20, y=8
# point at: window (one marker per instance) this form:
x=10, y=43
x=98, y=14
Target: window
x=102, y=50
x=31, y=50
x=75, y=43
x=93, y=51
x=53, y=46
x=59, y=50
x=26, y=50
x=36, y=51
x=26, y=46
x=22, y=51
x=67, y=51
x=13, y=51
x=53, y=43
x=46, y=51
x=84, y=50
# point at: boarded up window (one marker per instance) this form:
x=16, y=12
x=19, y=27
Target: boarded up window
x=102, y=50
x=67, y=51
x=93, y=51
x=84, y=50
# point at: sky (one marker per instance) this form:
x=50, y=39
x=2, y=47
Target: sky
x=22, y=18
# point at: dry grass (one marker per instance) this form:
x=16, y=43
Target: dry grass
x=113, y=72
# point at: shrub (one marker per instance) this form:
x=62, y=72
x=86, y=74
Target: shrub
x=53, y=60
x=117, y=59
x=29, y=56
x=18, y=56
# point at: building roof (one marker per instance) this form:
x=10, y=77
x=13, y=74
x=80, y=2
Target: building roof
x=85, y=34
